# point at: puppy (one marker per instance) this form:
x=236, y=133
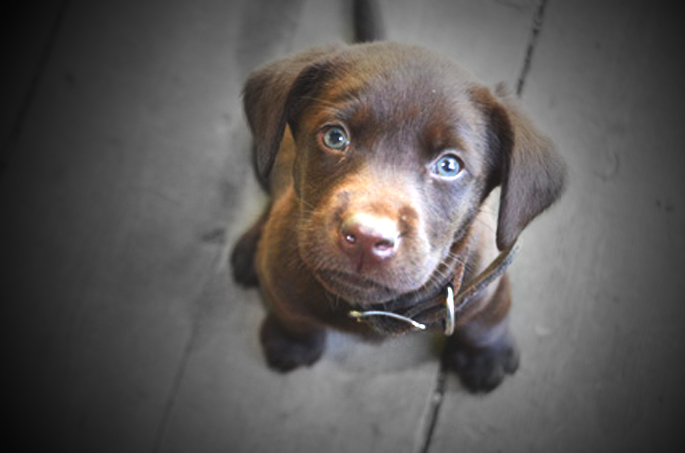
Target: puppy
x=379, y=158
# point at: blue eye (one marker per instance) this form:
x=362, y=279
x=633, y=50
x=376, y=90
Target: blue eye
x=335, y=138
x=448, y=166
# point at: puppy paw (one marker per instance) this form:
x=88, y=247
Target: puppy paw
x=284, y=352
x=482, y=369
x=243, y=258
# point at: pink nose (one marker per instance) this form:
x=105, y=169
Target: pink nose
x=368, y=240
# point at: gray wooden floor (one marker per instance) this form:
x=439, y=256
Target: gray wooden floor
x=126, y=179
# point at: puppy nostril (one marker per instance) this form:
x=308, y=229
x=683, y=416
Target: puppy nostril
x=350, y=238
x=384, y=245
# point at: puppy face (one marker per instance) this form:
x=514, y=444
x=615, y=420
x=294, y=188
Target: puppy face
x=396, y=150
x=390, y=172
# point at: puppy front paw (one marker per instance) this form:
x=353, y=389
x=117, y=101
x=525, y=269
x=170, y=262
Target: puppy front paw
x=284, y=351
x=243, y=258
x=482, y=369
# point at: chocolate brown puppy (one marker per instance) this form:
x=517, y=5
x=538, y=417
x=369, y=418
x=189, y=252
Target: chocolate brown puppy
x=379, y=159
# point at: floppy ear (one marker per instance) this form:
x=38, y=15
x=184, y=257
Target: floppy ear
x=532, y=172
x=265, y=100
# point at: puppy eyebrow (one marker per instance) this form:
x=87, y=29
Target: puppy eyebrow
x=443, y=134
x=346, y=104
x=332, y=104
x=338, y=110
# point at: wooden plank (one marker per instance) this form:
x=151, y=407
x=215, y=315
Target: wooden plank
x=487, y=38
x=598, y=286
x=120, y=174
x=360, y=397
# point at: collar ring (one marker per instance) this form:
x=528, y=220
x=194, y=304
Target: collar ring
x=449, y=311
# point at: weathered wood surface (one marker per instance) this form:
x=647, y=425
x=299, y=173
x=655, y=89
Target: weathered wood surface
x=131, y=180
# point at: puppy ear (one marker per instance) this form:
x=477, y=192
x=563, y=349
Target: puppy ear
x=532, y=172
x=265, y=100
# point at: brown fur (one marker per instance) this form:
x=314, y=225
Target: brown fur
x=403, y=107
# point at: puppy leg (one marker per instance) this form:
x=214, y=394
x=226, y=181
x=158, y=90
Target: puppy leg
x=244, y=252
x=483, y=351
x=286, y=349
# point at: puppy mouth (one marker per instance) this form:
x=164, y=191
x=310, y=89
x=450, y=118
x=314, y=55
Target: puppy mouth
x=355, y=288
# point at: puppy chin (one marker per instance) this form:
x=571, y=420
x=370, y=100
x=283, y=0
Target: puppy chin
x=369, y=289
x=355, y=289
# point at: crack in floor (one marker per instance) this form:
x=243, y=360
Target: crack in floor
x=538, y=20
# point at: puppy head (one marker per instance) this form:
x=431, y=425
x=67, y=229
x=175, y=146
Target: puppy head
x=396, y=150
